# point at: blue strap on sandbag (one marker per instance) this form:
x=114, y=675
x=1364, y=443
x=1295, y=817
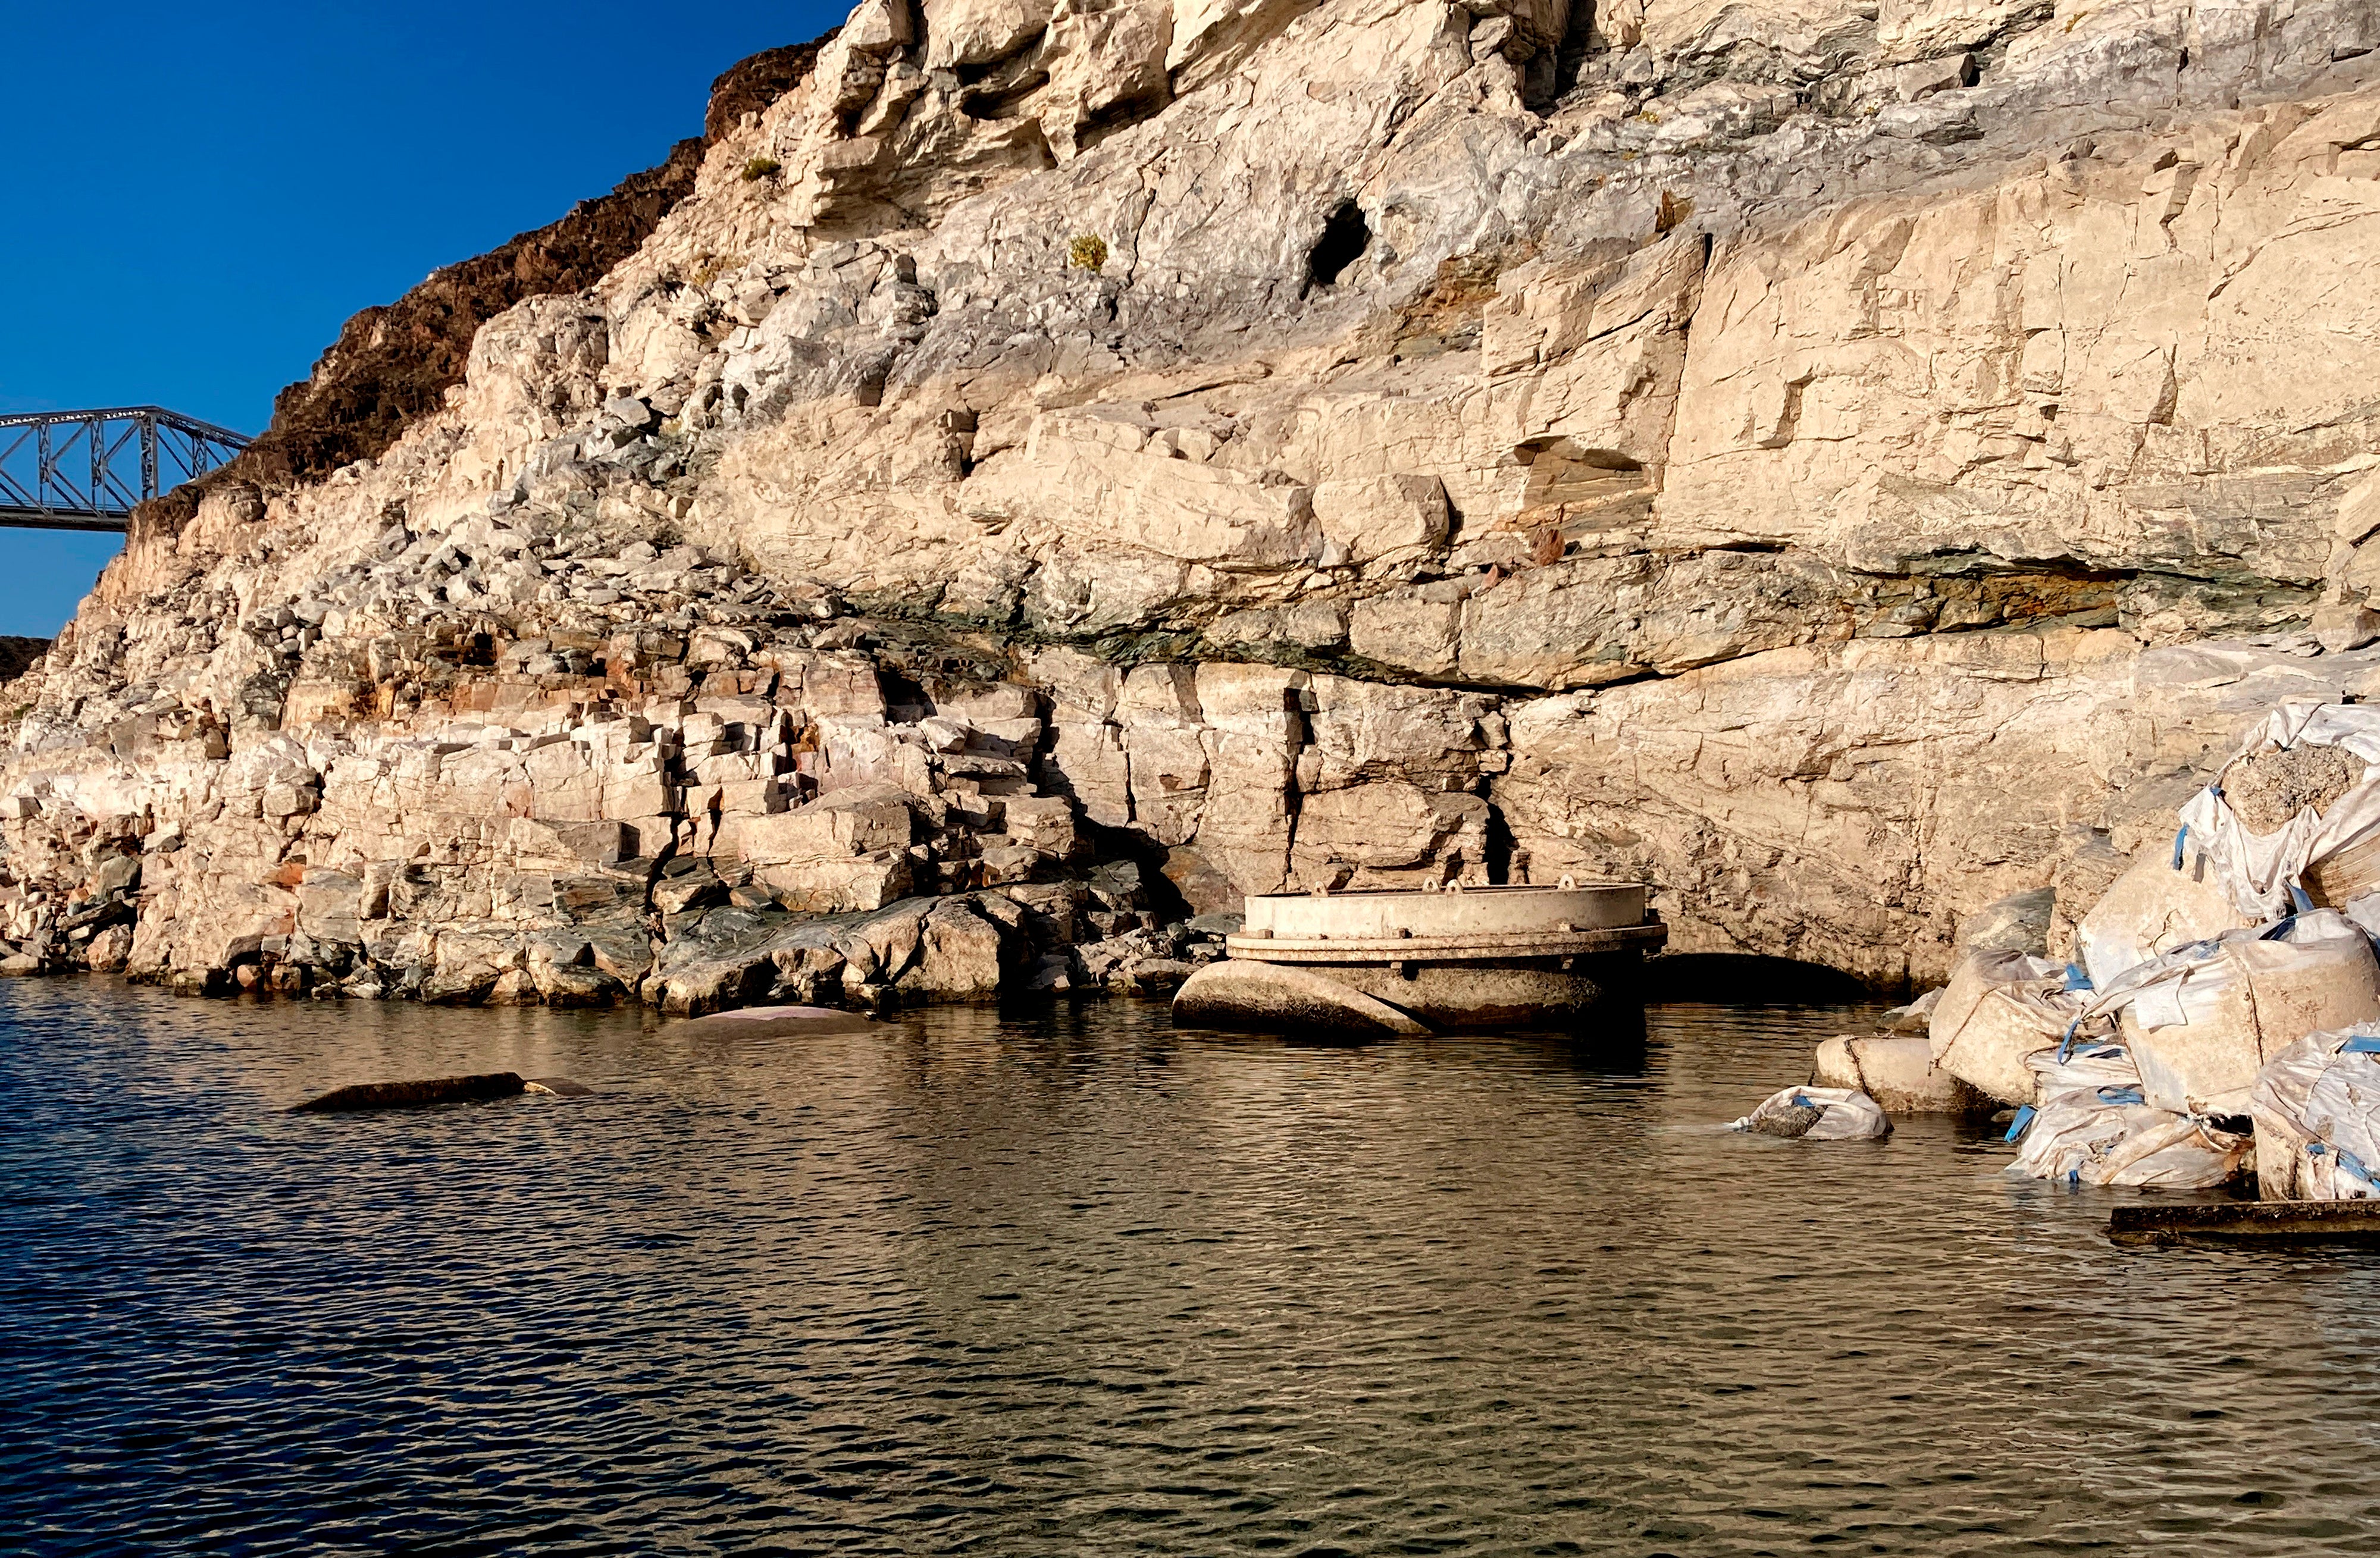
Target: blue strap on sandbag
x=2016, y=1127
x=2355, y=1165
x=2076, y=979
x=2180, y=837
x=2066, y=1045
x=2279, y=927
x=2118, y=1092
x=2361, y=1044
x=2298, y=902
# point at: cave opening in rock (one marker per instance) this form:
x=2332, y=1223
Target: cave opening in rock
x=1578, y=39
x=1346, y=237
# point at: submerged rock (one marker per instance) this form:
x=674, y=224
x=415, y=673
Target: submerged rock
x=415, y=1095
x=770, y=1022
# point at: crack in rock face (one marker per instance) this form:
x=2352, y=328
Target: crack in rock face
x=1852, y=470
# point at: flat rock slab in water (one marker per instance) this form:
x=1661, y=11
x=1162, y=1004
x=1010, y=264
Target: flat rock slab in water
x=419, y=1096
x=770, y=1022
x=2248, y=1222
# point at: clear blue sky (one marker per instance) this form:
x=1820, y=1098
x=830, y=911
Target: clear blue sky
x=198, y=196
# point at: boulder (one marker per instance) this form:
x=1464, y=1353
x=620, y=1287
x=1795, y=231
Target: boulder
x=848, y=850
x=960, y=956
x=773, y=1023
x=1369, y=518
x=1280, y=998
x=2019, y=923
x=1898, y=1073
x=415, y=1095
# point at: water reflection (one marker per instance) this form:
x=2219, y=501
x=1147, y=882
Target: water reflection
x=1075, y=1281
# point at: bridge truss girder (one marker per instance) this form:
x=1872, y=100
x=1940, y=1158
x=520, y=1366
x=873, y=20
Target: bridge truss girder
x=85, y=470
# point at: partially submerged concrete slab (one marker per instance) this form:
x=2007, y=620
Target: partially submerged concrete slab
x=2248, y=1222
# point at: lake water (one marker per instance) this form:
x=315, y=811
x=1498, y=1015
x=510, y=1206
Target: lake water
x=1076, y=1282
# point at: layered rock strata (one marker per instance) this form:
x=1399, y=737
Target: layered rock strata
x=1045, y=472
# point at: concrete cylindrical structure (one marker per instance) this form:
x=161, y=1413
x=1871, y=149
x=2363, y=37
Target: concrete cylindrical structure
x=1486, y=957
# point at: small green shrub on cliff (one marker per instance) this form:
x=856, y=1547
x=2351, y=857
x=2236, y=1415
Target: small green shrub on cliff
x=1087, y=253
x=759, y=168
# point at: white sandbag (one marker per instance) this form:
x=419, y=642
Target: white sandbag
x=2201, y=1021
x=2110, y=1135
x=2317, y=1113
x=1997, y=1008
x=1817, y=1114
x=2260, y=871
x=2076, y=1068
x=2160, y=902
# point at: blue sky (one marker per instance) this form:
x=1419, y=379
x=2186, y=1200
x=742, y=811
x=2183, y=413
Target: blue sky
x=199, y=195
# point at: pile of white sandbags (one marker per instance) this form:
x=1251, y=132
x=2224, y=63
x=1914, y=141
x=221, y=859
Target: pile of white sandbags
x=2224, y=1007
x=2203, y=1020
x=2095, y=1126
x=2211, y=964
x=2292, y=821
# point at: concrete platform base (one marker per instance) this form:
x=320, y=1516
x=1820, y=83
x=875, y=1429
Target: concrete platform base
x=1370, y=998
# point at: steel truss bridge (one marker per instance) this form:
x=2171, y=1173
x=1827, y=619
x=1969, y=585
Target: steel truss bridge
x=84, y=470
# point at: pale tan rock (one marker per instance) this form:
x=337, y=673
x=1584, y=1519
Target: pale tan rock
x=110, y=949
x=1370, y=518
x=1418, y=631
x=1176, y=509
x=846, y=850
x=2346, y=627
x=958, y=956
x=1898, y=1073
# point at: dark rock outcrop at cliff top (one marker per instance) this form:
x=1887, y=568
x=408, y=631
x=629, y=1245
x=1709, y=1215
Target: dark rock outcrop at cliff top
x=751, y=85
x=16, y=655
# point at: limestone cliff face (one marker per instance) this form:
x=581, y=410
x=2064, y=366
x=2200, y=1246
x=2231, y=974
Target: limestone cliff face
x=1845, y=462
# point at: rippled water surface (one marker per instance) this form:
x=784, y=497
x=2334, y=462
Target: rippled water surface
x=1079, y=1283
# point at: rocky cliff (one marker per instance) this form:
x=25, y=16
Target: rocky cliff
x=1034, y=471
